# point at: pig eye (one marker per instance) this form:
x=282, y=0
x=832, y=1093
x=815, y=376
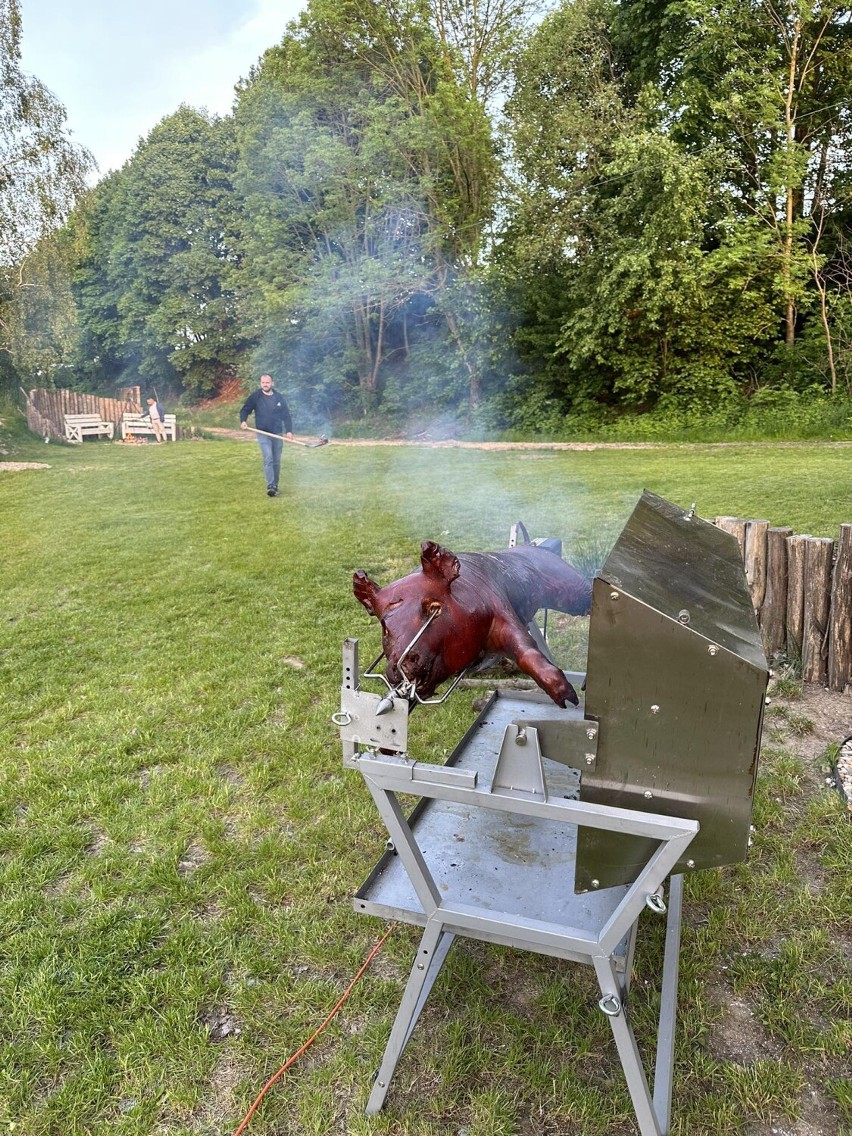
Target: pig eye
x=393, y=604
x=432, y=607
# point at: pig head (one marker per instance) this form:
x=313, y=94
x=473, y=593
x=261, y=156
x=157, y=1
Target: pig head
x=481, y=603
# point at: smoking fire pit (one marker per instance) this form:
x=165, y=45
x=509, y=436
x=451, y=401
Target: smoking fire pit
x=576, y=820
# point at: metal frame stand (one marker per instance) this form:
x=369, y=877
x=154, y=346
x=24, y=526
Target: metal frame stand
x=526, y=898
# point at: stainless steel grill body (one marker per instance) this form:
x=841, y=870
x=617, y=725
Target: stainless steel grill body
x=676, y=681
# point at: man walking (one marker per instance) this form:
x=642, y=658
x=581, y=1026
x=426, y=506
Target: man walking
x=272, y=415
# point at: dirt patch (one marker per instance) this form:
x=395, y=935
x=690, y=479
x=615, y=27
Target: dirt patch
x=831, y=715
x=13, y=467
x=217, y=1104
x=738, y=1035
x=195, y=855
x=232, y=390
x=220, y=1023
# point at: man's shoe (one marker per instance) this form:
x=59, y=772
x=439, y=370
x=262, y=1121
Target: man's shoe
x=272, y=493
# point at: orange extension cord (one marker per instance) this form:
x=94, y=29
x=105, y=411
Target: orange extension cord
x=316, y=1033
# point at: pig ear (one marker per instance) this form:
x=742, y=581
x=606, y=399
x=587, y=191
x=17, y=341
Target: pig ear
x=365, y=591
x=438, y=562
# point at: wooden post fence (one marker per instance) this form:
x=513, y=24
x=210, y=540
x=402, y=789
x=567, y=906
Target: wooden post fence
x=801, y=588
x=46, y=409
x=840, y=628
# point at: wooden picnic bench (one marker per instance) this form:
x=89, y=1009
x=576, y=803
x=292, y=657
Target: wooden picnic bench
x=79, y=426
x=135, y=425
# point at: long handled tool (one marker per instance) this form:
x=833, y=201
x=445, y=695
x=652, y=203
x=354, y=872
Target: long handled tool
x=321, y=441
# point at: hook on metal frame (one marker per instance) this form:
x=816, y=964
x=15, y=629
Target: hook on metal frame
x=655, y=902
x=611, y=1005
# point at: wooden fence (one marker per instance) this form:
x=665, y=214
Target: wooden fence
x=46, y=409
x=801, y=588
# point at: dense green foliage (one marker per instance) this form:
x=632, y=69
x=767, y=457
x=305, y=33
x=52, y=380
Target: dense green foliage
x=681, y=202
x=432, y=208
x=366, y=174
x=154, y=282
x=42, y=174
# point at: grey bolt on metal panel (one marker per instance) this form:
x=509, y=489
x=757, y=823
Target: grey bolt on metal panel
x=677, y=682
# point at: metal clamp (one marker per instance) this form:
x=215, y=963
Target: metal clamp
x=611, y=1005
x=655, y=902
x=404, y=654
x=405, y=689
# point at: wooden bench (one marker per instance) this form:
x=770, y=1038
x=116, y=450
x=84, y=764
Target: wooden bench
x=79, y=426
x=135, y=425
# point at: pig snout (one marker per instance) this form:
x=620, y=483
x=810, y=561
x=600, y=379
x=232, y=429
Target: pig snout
x=422, y=669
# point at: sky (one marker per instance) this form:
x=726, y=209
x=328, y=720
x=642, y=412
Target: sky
x=118, y=68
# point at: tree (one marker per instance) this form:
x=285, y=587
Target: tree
x=331, y=233
x=42, y=174
x=681, y=177
x=39, y=315
x=154, y=286
x=369, y=174
x=767, y=85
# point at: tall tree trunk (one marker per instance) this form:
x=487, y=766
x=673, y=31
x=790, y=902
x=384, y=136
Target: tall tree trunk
x=377, y=350
x=787, y=253
x=364, y=351
x=474, y=381
x=822, y=288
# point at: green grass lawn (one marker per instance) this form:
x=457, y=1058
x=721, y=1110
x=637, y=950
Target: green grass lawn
x=179, y=840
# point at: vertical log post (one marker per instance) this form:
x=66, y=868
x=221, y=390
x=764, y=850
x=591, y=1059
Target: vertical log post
x=736, y=527
x=773, y=612
x=795, y=594
x=754, y=555
x=802, y=595
x=818, y=562
x=840, y=629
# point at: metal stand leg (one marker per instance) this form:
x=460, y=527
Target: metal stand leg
x=664, y=1070
x=431, y=955
x=653, y=1115
x=629, y=956
x=612, y=1003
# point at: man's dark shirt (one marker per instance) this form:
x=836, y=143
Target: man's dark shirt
x=271, y=412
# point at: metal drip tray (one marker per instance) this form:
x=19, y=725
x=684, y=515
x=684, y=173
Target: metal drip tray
x=499, y=862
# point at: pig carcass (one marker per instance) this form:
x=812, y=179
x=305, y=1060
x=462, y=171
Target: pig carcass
x=480, y=604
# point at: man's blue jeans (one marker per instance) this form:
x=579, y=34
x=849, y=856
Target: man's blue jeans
x=270, y=449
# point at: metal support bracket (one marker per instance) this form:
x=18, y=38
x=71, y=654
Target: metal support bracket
x=359, y=723
x=519, y=769
x=568, y=741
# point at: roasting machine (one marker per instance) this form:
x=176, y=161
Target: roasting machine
x=552, y=830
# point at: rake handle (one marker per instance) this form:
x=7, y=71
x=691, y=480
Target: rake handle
x=284, y=438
